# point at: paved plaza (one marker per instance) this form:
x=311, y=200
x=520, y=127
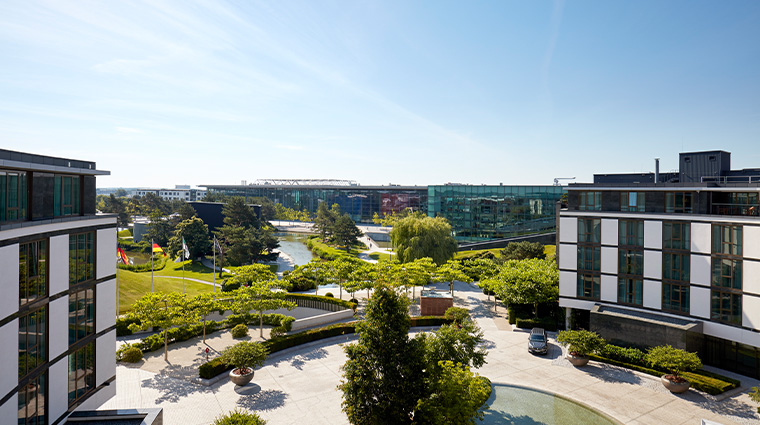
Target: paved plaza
x=298, y=386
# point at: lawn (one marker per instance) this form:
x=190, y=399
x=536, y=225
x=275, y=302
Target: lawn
x=193, y=270
x=381, y=256
x=133, y=285
x=463, y=255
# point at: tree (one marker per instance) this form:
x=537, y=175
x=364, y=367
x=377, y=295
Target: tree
x=580, y=342
x=417, y=236
x=383, y=376
x=527, y=282
x=390, y=219
x=159, y=228
x=324, y=221
x=341, y=268
x=267, y=207
x=186, y=211
x=112, y=204
x=345, y=232
x=202, y=305
x=754, y=395
x=455, y=396
x=523, y=251
x=260, y=296
x=238, y=214
x=162, y=310
x=673, y=360
x=459, y=343
x=245, y=275
x=450, y=272
x=195, y=234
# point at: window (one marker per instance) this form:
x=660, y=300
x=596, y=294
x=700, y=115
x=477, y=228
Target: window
x=66, y=196
x=13, y=195
x=81, y=373
x=588, y=286
x=727, y=273
x=678, y=202
x=589, y=230
x=31, y=402
x=32, y=335
x=630, y=261
x=589, y=258
x=675, y=297
x=727, y=239
x=675, y=266
x=81, y=315
x=81, y=257
x=630, y=291
x=726, y=307
x=632, y=201
x=631, y=232
x=32, y=271
x=589, y=201
x=676, y=235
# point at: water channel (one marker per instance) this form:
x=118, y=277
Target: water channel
x=294, y=245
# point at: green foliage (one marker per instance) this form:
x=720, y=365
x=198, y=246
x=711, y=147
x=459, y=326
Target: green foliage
x=457, y=314
x=122, y=325
x=523, y=251
x=459, y=343
x=623, y=354
x=329, y=295
x=455, y=396
x=479, y=269
x=672, y=359
x=418, y=236
x=159, y=228
x=389, y=220
x=239, y=214
x=239, y=417
x=159, y=262
x=754, y=395
x=244, y=356
x=195, y=233
x=239, y=331
x=126, y=233
x=324, y=251
x=580, y=342
x=547, y=323
x=129, y=354
x=260, y=296
x=300, y=279
x=530, y=281
x=163, y=310
x=276, y=332
x=318, y=298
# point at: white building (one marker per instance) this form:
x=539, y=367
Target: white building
x=645, y=262
x=179, y=193
x=59, y=290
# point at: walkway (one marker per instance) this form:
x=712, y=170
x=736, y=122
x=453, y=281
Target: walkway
x=299, y=386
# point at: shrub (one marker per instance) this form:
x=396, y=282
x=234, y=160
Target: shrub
x=276, y=332
x=329, y=295
x=159, y=262
x=547, y=323
x=212, y=368
x=354, y=300
x=581, y=343
x=130, y=354
x=237, y=417
x=239, y=331
x=457, y=314
x=627, y=355
x=672, y=359
x=122, y=326
x=244, y=356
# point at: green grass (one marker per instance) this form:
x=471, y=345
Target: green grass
x=192, y=270
x=134, y=285
x=550, y=251
x=463, y=255
x=381, y=256
x=126, y=233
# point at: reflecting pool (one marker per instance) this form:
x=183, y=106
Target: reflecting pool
x=513, y=405
x=294, y=244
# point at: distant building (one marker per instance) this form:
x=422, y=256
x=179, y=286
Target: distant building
x=211, y=213
x=179, y=193
x=673, y=258
x=58, y=309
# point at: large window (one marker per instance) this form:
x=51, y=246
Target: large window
x=589, y=230
x=589, y=258
x=631, y=233
x=13, y=196
x=81, y=315
x=630, y=261
x=678, y=202
x=727, y=239
x=66, y=196
x=588, y=286
x=81, y=373
x=632, y=201
x=630, y=291
x=727, y=273
x=675, y=266
x=32, y=337
x=675, y=297
x=726, y=307
x=676, y=235
x=32, y=271
x=31, y=402
x=81, y=257
x=589, y=201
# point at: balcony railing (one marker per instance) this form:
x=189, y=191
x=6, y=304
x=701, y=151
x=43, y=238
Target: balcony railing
x=734, y=209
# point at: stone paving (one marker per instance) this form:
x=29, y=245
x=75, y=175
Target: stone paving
x=299, y=386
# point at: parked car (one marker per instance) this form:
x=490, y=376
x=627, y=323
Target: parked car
x=538, y=342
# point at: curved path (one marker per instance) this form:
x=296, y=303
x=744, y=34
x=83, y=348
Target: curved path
x=298, y=386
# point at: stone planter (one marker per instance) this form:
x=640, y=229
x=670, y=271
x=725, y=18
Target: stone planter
x=675, y=387
x=239, y=379
x=577, y=361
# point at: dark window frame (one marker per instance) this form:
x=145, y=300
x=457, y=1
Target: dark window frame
x=590, y=237
x=630, y=262
x=633, y=290
x=683, y=234
x=41, y=279
x=728, y=315
x=625, y=204
x=669, y=289
x=84, y=380
x=82, y=268
x=625, y=237
x=588, y=283
x=30, y=366
x=33, y=391
x=590, y=200
x=20, y=211
x=674, y=207
x=81, y=320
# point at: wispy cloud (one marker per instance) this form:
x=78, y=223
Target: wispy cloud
x=128, y=130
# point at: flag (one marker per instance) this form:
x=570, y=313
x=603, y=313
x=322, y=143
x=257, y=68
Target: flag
x=122, y=255
x=184, y=248
x=216, y=244
x=157, y=248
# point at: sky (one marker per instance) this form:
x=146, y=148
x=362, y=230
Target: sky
x=162, y=93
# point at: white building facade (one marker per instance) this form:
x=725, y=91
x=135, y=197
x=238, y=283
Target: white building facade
x=59, y=290
x=179, y=193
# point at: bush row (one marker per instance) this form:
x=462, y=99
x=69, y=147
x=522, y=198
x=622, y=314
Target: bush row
x=325, y=251
x=158, y=264
x=319, y=298
x=547, y=323
x=215, y=367
x=142, y=246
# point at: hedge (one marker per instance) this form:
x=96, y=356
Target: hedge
x=302, y=300
x=215, y=367
x=122, y=326
x=146, y=267
x=547, y=323
x=325, y=251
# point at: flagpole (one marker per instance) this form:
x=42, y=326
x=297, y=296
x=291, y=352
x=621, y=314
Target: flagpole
x=183, y=265
x=151, y=265
x=214, y=271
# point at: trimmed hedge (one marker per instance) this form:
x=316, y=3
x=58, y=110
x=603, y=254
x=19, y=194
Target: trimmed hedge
x=122, y=326
x=325, y=251
x=347, y=305
x=157, y=265
x=215, y=367
x=547, y=323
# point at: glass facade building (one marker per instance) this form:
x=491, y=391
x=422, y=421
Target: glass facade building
x=479, y=213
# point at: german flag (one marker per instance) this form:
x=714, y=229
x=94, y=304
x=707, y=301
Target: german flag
x=157, y=248
x=122, y=255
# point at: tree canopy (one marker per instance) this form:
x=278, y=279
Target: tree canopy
x=523, y=250
x=162, y=310
x=195, y=233
x=418, y=236
x=530, y=281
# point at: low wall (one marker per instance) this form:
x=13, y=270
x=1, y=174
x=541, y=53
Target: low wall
x=322, y=319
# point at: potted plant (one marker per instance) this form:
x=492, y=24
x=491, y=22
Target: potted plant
x=244, y=357
x=754, y=395
x=579, y=345
x=675, y=361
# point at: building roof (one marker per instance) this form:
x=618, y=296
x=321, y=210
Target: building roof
x=34, y=162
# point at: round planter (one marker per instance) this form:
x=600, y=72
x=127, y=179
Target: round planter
x=675, y=387
x=239, y=379
x=577, y=361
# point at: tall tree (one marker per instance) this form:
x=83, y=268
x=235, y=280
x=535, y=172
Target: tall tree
x=345, y=232
x=239, y=214
x=523, y=251
x=323, y=221
x=530, y=281
x=159, y=228
x=186, y=211
x=260, y=295
x=417, y=236
x=267, y=207
x=195, y=233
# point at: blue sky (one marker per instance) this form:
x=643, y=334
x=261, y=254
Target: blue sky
x=404, y=92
